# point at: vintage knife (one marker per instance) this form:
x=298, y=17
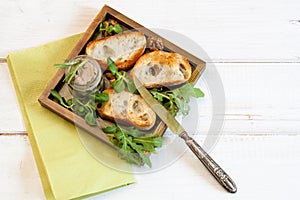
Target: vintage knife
x=219, y=174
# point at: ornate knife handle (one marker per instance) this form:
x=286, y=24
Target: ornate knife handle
x=210, y=164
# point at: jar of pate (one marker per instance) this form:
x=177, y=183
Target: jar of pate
x=87, y=78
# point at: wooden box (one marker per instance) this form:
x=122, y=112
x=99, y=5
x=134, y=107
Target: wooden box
x=47, y=100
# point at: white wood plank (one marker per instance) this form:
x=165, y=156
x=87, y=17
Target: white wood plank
x=262, y=166
x=11, y=120
x=261, y=98
x=19, y=178
x=229, y=31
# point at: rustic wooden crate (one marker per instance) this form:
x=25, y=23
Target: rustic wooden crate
x=56, y=83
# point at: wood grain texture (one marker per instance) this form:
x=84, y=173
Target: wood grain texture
x=229, y=31
x=261, y=98
x=11, y=120
x=19, y=176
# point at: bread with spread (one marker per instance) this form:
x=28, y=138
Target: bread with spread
x=124, y=49
x=127, y=108
x=160, y=68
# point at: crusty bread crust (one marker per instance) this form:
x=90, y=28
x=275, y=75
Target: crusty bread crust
x=160, y=68
x=127, y=108
x=124, y=49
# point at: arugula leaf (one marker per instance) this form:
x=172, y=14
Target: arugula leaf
x=117, y=28
x=122, y=79
x=109, y=28
x=67, y=64
x=59, y=98
x=84, y=109
x=118, y=85
x=112, y=66
x=76, y=64
x=90, y=118
x=188, y=90
x=198, y=93
x=133, y=143
x=100, y=97
x=110, y=129
x=131, y=86
x=177, y=100
x=68, y=78
x=130, y=157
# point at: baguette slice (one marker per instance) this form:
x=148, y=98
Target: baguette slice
x=124, y=49
x=127, y=108
x=160, y=68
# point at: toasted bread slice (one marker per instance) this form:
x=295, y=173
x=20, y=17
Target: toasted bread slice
x=127, y=108
x=124, y=49
x=160, y=68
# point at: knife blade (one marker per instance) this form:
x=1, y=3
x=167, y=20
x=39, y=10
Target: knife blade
x=220, y=175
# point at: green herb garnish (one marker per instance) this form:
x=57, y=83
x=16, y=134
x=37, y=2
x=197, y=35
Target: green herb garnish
x=100, y=97
x=177, y=99
x=109, y=29
x=133, y=144
x=76, y=64
x=67, y=64
x=122, y=79
x=60, y=99
x=86, y=109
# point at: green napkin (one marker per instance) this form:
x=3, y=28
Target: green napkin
x=66, y=169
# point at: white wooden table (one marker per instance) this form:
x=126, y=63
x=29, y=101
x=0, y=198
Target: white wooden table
x=255, y=46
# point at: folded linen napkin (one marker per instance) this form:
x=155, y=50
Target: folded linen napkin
x=66, y=169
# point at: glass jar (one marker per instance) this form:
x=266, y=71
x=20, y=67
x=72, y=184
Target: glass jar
x=87, y=79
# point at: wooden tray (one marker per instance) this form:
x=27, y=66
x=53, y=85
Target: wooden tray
x=56, y=83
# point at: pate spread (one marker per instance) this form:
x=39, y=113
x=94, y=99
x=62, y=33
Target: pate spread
x=86, y=74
